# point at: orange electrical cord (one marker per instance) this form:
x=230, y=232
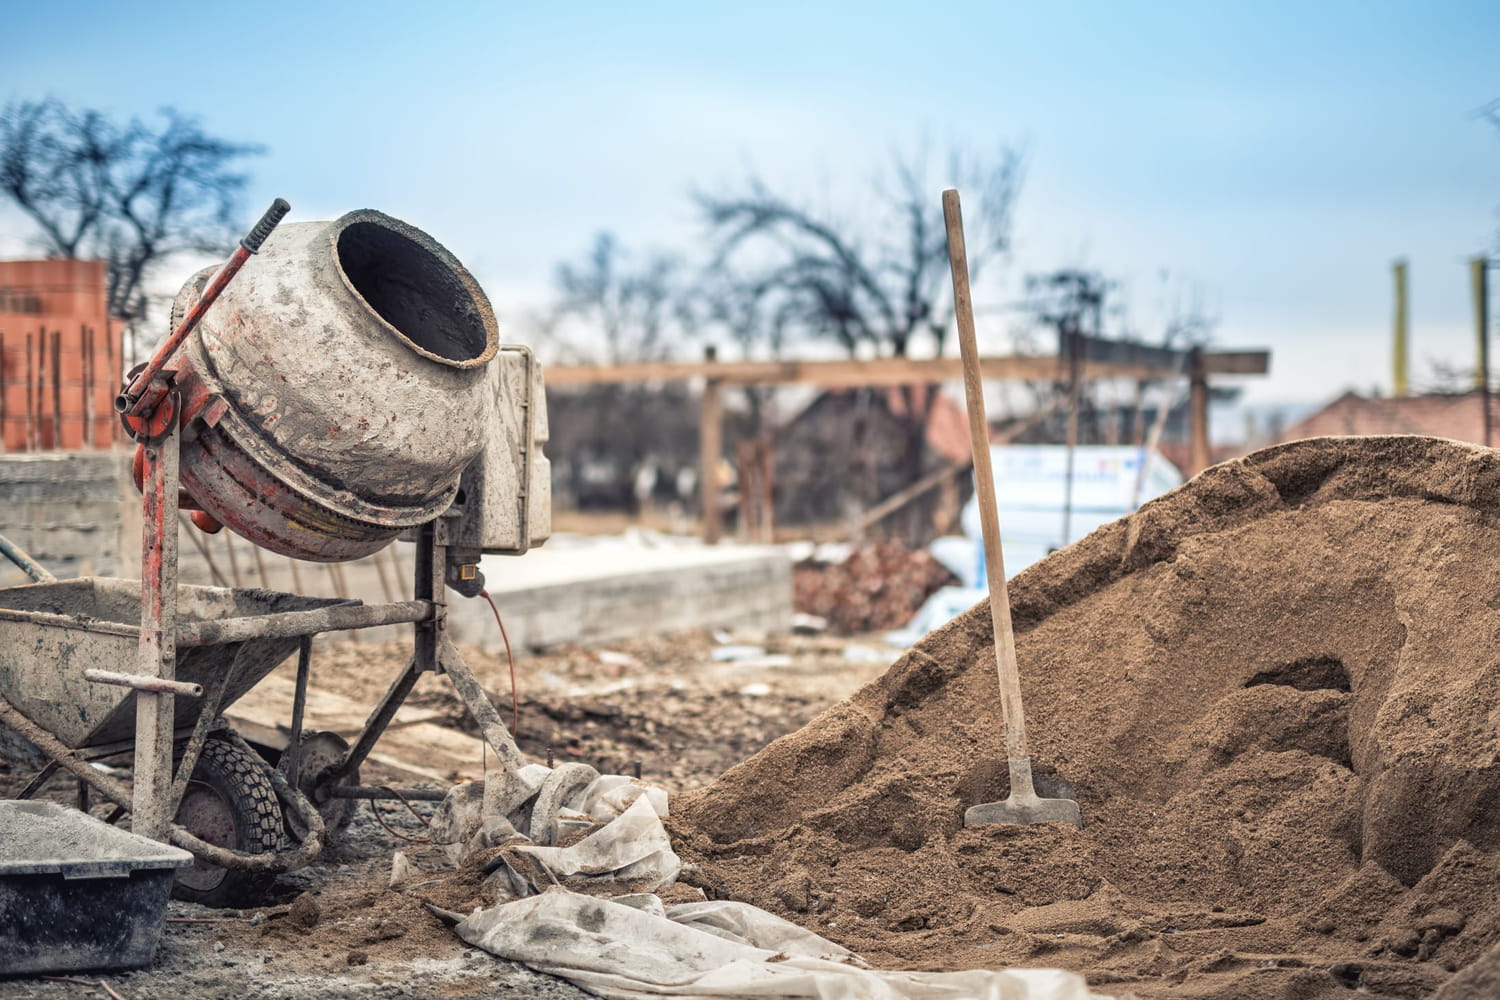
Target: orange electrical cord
x=515, y=703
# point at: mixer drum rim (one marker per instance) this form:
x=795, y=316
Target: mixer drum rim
x=402, y=249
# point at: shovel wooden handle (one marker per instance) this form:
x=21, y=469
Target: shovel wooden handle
x=984, y=484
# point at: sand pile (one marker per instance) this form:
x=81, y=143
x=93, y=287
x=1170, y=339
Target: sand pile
x=1276, y=692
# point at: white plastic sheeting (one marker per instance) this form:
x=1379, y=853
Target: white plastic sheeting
x=633, y=946
x=715, y=950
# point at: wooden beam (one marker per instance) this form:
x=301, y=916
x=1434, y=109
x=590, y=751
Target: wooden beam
x=1236, y=362
x=892, y=371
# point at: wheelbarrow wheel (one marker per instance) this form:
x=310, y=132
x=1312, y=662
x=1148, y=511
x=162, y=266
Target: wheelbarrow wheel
x=229, y=802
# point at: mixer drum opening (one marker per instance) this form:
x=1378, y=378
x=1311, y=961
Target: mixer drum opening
x=418, y=294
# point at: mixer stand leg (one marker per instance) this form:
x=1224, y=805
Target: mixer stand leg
x=151, y=811
x=384, y=712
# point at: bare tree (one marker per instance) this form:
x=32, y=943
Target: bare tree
x=133, y=194
x=877, y=286
x=633, y=301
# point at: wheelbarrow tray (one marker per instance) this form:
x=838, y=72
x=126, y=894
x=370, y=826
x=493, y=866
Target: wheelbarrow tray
x=42, y=658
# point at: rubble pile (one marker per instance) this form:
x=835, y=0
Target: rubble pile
x=877, y=587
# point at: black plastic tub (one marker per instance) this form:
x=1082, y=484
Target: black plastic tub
x=77, y=893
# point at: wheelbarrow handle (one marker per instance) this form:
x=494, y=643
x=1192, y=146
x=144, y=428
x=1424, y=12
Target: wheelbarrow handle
x=29, y=566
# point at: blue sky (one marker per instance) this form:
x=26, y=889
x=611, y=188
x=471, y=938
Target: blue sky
x=1275, y=156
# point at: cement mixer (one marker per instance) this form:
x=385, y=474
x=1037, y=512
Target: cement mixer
x=332, y=387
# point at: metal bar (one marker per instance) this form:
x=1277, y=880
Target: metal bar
x=158, y=653
x=57, y=437
x=234, y=563
x=361, y=792
x=469, y=691
x=427, y=585
x=385, y=580
x=289, y=624
x=62, y=756
x=42, y=777
x=86, y=345
x=136, y=400
x=290, y=758
x=195, y=536
x=140, y=683
x=31, y=441
x=381, y=717
x=28, y=565
x=82, y=623
x=260, y=566
x=208, y=712
x=340, y=588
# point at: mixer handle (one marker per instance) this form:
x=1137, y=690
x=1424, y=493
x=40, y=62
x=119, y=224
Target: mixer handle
x=142, y=393
x=268, y=222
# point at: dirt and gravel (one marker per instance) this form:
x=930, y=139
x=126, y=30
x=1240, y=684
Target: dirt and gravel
x=1276, y=696
x=1273, y=692
x=686, y=707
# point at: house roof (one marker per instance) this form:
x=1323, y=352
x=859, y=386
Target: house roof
x=1448, y=415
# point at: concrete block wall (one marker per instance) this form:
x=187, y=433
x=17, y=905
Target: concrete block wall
x=65, y=509
x=79, y=515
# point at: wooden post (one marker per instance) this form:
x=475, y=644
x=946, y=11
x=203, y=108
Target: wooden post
x=1479, y=279
x=710, y=453
x=1198, y=414
x=767, y=490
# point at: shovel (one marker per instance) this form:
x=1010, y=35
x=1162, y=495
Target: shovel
x=1023, y=805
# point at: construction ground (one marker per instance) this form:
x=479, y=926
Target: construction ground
x=1271, y=690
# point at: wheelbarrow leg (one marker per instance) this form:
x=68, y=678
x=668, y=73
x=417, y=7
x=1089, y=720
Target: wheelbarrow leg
x=151, y=810
x=208, y=712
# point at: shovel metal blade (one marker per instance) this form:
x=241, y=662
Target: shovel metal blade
x=1024, y=810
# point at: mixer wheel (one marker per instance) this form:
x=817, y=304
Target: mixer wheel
x=321, y=752
x=229, y=802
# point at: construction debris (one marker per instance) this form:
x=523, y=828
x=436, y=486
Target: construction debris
x=877, y=587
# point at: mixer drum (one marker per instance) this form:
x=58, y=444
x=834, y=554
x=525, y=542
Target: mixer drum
x=354, y=357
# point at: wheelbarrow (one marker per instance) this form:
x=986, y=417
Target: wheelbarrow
x=64, y=708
